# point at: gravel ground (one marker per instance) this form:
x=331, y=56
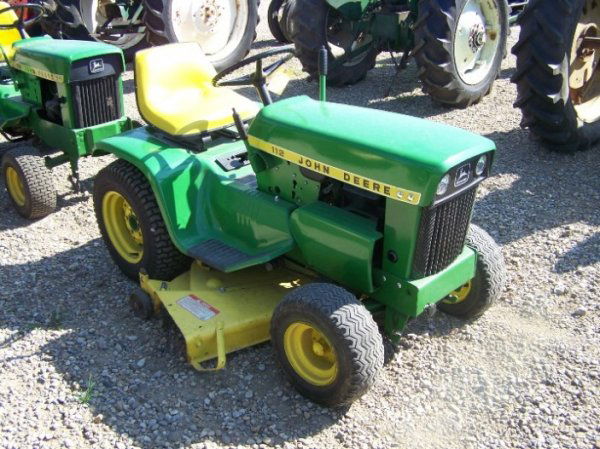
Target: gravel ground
x=78, y=370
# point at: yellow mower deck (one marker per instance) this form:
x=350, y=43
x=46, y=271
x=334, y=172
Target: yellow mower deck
x=219, y=313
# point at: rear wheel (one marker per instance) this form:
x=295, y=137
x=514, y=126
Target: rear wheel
x=311, y=24
x=225, y=29
x=132, y=226
x=459, y=47
x=29, y=183
x=557, y=77
x=95, y=14
x=327, y=343
x=274, y=19
x=476, y=296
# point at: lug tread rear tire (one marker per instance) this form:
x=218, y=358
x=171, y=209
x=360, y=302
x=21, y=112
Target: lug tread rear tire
x=40, y=192
x=306, y=28
x=542, y=75
x=433, y=52
x=273, y=21
x=490, y=277
x=354, y=329
x=161, y=259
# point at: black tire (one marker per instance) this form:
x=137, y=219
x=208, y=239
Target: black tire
x=160, y=31
x=435, y=30
x=489, y=281
x=160, y=258
x=307, y=27
x=141, y=304
x=273, y=21
x=542, y=76
x=38, y=186
x=351, y=331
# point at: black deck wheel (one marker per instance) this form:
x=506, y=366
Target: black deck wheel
x=29, y=183
x=141, y=304
x=476, y=296
x=327, y=343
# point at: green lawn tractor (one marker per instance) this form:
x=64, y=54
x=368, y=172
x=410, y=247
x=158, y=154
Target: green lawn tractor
x=458, y=45
x=57, y=98
x=317, y=225
x=558, y=73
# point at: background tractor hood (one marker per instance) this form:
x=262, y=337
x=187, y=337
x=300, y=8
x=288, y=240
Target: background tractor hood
x=388, y=147
x=57, y=56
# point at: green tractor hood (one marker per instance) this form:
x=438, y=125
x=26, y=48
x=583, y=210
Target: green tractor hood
x=65, y=61
x=386, y=147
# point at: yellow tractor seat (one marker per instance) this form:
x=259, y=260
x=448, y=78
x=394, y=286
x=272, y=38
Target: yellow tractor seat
x=175, y=94
x=10, y=36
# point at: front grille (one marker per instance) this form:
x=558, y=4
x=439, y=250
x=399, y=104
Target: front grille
x=442, y=234
x=96, y=101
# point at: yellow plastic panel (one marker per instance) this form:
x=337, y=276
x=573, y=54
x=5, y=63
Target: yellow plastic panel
x=8, y=37
x=236, y=308
x=175, y=93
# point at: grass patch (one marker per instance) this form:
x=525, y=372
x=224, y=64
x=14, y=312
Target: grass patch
x=88, y=393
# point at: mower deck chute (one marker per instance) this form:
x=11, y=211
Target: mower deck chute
x=219, y=313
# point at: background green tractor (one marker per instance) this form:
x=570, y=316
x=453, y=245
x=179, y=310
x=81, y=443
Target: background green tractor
x=458, y=45
x=558, y=75
x=224, y=29
x=317, y=225
x=57, y=98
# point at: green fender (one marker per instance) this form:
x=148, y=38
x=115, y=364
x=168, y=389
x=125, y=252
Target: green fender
x=200, y=202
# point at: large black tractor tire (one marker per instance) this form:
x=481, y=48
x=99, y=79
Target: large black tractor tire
x=436, y=30
x=65, y=18
x=474, y=298
x=158, y=19
x=327, y=343
x=121, y=186
x=273, y=18
x=545, y=61
x=307, y=25
x=29, y=183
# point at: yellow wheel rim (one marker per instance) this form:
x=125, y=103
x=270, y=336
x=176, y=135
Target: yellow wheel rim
x=310, y=353
x=15, y=186
x=458, y=295
x=122, y=227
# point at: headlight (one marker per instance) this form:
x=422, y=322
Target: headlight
x=480, y=167
x=443, y=185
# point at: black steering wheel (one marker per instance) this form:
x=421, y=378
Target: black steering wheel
x=20, y=24
x=258, y=79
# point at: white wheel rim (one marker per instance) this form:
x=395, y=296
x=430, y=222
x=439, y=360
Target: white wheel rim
x=93, y=17
x=584, y=72
x=477, y=40
x=216, y=25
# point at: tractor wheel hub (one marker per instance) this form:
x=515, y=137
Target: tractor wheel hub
x=477, y=37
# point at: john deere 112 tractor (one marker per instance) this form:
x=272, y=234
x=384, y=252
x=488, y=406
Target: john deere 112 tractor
x=558, y=72
x=317, y=225
x=458, y=45
x=57, y=98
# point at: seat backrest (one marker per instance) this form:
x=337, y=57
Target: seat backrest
x=8, y=37
x=167, y=68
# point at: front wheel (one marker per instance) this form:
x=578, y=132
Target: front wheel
x=476, y=296
x=29, y=183
x=132, y=226
x=459, y=47
x=327, y=343
x=225, y=30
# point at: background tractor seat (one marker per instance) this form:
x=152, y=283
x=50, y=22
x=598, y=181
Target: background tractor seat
x=174, y=91
x=8, y=37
